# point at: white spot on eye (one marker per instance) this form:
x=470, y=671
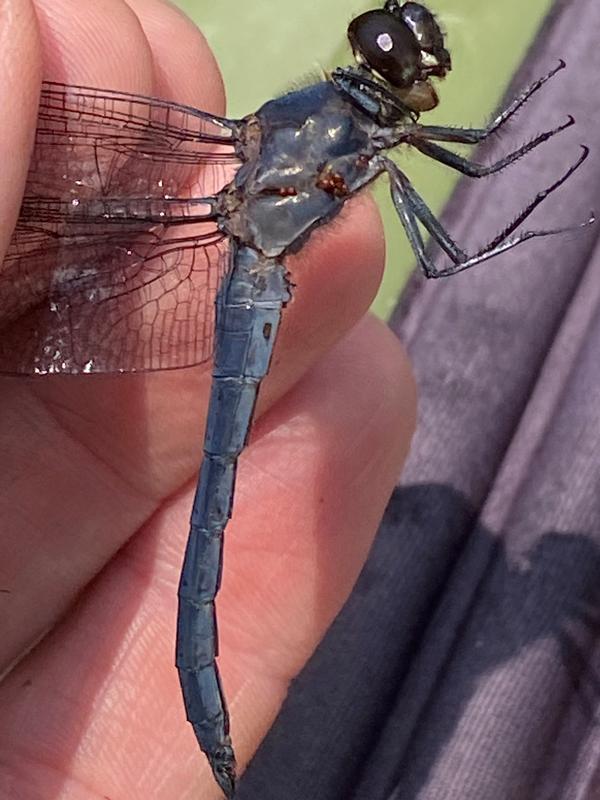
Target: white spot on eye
x=384, y=42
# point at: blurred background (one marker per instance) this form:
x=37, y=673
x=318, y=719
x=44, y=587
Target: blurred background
x=266, y=47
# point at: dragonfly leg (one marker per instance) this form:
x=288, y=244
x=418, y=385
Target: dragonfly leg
x=412, y=208
x=248, y=312
x=409, y=222
x=534, y=203
x=475, y=135
x=474, y=170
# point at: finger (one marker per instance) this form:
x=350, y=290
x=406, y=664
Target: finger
x=311, y=488
x=51, y=543
x=94, y=44
x=187, y=73
x=20, y=67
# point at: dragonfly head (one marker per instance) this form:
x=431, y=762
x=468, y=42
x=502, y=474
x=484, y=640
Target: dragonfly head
x=403, y=45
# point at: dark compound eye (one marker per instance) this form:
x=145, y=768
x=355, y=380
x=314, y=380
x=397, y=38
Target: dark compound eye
x=386, y=44
x=427, y=32
x=431, y=39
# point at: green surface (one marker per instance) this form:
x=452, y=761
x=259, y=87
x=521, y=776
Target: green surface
x=265, y=47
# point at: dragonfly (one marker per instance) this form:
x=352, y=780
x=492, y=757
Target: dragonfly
x=154, y=236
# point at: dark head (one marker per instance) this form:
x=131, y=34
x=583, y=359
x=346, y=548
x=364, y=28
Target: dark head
x=403, y=45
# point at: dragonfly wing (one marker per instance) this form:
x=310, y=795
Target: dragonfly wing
x=116, y=256
x=92, y=142
x=109, y=303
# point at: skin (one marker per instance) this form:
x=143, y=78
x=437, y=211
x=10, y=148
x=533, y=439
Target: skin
x=97, y=475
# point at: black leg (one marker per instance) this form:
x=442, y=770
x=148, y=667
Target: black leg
x=418, y=208
x=475, y=135
x=411, y=207
x=473, y=170
x=413, y=234
x=539, y=198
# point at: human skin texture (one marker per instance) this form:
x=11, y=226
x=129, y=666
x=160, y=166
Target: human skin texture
x=97, y=473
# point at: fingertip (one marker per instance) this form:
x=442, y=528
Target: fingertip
x=347, y=253
x=336, y=277
x=187, y=73
x=20, y=67
x=93, y=44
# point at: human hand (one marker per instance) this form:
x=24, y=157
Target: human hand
x=98, y=473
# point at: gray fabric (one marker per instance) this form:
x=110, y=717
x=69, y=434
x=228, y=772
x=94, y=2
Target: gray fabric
x=465, y=664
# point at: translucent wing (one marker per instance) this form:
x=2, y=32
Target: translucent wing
x=116, y=256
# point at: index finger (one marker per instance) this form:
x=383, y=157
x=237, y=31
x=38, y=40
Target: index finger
x=41, y=421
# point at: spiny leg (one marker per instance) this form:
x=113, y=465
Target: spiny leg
x=413, y=204
x=413, y=234
x=444, y=133
x=539, y=198
x=411, y=207
x=473, y=170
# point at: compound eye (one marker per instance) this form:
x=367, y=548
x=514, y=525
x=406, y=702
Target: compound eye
x=426, y=31
x=385, y=44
